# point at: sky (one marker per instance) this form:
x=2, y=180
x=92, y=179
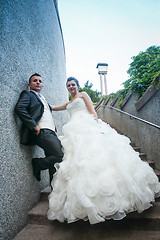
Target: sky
x=107, y=31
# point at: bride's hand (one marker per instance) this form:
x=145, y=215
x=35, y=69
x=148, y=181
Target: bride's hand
x=60, y=107
x=95, y=117
x=52, y=107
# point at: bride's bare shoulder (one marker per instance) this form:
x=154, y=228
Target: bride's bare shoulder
x=83, y=95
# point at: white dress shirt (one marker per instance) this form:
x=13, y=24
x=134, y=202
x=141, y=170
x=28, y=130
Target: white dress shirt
x=46, y=120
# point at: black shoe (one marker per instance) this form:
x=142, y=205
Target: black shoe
x=36, y=170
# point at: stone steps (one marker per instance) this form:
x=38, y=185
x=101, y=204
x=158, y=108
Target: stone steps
x=144, y=226
x=137, y=149
x=38, y=215
x=144, y=158
x=76, y=232
x=157, y=173
x=134, y=227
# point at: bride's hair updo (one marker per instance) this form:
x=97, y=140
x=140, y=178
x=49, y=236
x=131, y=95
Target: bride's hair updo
x=74, y=79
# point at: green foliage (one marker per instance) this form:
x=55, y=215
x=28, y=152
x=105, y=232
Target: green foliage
x=122, y=93
x=143, y=70
x=113, y=95
x=70, y=97
x=105, y=98
x=94, y=95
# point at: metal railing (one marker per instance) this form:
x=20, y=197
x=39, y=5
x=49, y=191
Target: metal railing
x=137, y=118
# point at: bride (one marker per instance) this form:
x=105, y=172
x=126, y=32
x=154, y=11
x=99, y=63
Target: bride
x=101, y=176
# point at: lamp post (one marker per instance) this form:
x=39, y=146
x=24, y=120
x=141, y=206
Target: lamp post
x=102, y=71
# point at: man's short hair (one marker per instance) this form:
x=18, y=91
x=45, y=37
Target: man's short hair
x=35, y=74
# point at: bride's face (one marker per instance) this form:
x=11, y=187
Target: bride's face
x=72, y=87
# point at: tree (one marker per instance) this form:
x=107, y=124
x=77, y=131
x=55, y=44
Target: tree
x=143, y=70
x=94, y=95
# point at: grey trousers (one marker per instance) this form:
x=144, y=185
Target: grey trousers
x=49, y=142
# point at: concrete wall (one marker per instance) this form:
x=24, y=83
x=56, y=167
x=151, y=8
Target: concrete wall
x=144, y=136
x=31, y=41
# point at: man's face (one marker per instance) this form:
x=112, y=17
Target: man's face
x=36, y=83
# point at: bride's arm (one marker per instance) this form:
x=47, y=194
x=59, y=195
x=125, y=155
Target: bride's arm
x=60, y=107
x=89, y=105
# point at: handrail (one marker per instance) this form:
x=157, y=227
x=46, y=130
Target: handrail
x=137, y=118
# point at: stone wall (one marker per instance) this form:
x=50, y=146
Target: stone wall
x=142, y=134
x=31, y=41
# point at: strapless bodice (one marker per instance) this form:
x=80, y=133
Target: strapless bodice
x=77, y=105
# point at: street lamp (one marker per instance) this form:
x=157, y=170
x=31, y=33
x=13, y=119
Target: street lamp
x=102, y=71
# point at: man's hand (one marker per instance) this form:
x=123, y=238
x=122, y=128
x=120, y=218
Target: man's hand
x=37, y=129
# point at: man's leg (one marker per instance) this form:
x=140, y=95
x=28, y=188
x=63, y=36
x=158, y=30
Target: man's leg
x=51, y=145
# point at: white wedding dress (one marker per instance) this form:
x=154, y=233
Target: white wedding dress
x=101, y=176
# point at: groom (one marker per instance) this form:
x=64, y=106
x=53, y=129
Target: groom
x=38, y=127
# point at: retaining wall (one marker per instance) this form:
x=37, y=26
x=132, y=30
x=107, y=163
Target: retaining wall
x=144, y=135
x=31, y=41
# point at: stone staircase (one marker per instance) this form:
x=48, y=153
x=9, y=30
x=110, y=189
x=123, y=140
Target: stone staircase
x=144, y=226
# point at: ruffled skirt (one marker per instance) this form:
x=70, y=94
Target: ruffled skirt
x=101, y=176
